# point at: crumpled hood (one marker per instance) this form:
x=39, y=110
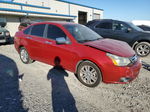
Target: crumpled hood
x=116, y=47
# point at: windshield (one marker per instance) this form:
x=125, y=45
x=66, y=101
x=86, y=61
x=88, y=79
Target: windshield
x=82, y=33
x=134, y=26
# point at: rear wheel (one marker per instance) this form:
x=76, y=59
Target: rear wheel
x=24, y=56
x=89, y=74
x=142, y=49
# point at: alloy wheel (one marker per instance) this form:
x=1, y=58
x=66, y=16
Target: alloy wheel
x=88, y=74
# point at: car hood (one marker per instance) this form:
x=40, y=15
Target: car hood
x=112, y=46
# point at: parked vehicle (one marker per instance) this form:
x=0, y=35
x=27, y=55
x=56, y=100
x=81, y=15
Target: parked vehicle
x=144, y=27
x=22, y=26
x=80, y=50
x=138, y=39
x=4, y=33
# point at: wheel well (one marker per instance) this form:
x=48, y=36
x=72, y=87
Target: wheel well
x=89, y=61
x=20, y=47
x=81, y=61
x=135, y=43
x=79, y=64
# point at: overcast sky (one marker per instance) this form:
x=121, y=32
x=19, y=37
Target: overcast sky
x=127, y=10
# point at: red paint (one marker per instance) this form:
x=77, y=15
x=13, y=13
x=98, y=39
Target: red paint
x=71, y=54
x=113, y=46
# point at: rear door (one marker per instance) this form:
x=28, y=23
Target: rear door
x=104, y=28
x=35, y=41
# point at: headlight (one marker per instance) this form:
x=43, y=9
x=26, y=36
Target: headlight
x=119, y=61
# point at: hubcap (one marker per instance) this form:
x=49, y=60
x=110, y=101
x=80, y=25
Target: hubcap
x=24, y=55
x=88, y=74
x=143, y=50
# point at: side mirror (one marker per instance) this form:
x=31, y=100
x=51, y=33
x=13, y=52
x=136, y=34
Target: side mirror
x=128, y=30
x=61, y=40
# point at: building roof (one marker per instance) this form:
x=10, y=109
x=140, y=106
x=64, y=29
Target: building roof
x=55, y=22
x=79, y=4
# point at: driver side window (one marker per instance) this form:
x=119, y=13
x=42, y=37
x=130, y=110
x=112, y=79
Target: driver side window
x=54, y=32
x=119, y=26
x=104, y=25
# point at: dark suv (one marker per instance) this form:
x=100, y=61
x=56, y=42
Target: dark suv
x=144, y=27
x=4, y=33
x=137, y=38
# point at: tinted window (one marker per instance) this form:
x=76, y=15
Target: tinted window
x=38, y=30
x=54, y=32
x=119, y=26
x=27, y=31
x=104, y=25
x=90, y=23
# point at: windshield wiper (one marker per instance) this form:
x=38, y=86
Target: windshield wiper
x=97, y=39
x=82, y=41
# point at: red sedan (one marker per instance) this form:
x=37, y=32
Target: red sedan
x=80, y=50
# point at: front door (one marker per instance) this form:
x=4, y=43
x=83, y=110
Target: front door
x=121, y=32
x=58, y=54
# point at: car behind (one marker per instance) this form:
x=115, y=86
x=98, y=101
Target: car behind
x=4, y=33
x=144, y=27
x=138, y=39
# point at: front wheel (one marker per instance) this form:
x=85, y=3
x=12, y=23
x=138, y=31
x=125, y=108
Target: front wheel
x=89, y=74
x=142, y=49
x=24, y=56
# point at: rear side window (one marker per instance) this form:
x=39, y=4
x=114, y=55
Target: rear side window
x=27, y=31
x=54, y=32
x=38, y=30
x=90, y=23
x=105, y=25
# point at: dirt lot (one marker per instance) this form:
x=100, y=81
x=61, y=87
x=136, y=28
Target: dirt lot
x=39, y=87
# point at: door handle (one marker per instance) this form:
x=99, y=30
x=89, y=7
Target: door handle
x=29, y=37
x=47, y=42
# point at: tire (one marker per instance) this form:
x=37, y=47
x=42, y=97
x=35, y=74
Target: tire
x=142, y=49
x=24, y=56
x=89, y=74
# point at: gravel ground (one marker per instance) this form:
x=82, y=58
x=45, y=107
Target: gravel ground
x=39, y=87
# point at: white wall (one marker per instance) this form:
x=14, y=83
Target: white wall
x=35, y=2
x=62, y=8
x=55, y=6
x=141, y=22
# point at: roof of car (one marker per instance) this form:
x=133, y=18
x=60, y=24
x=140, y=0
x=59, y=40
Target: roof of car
x=102, y=19
x=56, y=22
x=105, y=20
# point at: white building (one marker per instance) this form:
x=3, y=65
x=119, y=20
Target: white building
x=141, y=22
x=16, y=11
